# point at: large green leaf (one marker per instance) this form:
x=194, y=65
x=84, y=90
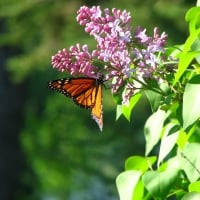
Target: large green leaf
x=127, y=183
x=190, y=161
x=167, y=142
x=191, y=101
x=153, y=129
x=160, y=183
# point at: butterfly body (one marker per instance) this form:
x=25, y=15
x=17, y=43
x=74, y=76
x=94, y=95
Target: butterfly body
x=86, y=92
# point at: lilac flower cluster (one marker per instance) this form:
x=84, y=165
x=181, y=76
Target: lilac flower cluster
x=77, y=61
x=128, y=58
x=112, y=33
x=146, y=57
x=147, y=60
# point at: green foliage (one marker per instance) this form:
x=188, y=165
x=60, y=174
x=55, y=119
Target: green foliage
x=139, y=163
x=192, y=196
x=190, y=161
x=159, y=183
x=168, y=141
x=173, y=128
x=191, y=99
x=189, y=52
x=126, y=110
x=127, y=184
x=153, y=128
x=194, y=187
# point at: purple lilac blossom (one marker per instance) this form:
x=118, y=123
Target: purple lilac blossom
x=146, y=57
x=112, y=33
x=126, y=56
x=146, y=60
x=77, y=61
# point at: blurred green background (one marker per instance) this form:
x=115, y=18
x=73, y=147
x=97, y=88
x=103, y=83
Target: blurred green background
x=50, y=149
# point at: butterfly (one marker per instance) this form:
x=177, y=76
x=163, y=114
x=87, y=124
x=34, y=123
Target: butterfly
x=86, y=92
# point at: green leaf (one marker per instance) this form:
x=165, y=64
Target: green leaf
x=196, y=47
x=167, y=142
x=182, y=139
x=191, y=100
x=118, y=111
x=193, y=17
x=127, y=109
x=160, y=183
x=190, y=161
x=154, y=99
x=126, y=184
x=186, y=56
x=139, y=163
x=194, y=187
x=153, y=129
x=138, y=191
x=190, y=40
x=184, y=60
x=191, y=196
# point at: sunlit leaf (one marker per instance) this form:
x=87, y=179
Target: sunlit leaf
x=191, y=101
x=139, y=163
x=190, y=161
x=153, y=129
x=126, y=184
x=186, y=56
x=118, y=111
x=127, y=109
x=160, y=183
x=194, y=187
x=138, y=191
x=167, y=142
x=184, y=61
x=191, y=196
x=193, y=17
x=182, y=139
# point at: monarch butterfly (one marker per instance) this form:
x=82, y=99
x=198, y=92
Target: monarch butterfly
x=85, y=92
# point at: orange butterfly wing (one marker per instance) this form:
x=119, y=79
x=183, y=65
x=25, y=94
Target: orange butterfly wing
x=97, y=110
x=85, y=92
